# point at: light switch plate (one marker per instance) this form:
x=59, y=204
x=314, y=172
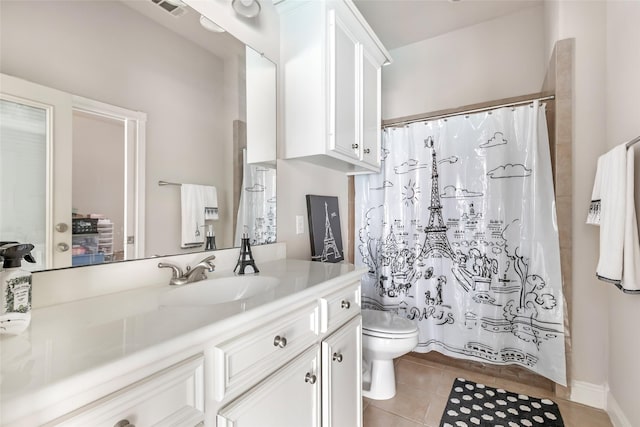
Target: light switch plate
x=299, y=224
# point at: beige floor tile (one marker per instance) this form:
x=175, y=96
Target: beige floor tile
x=423, y=388
x=435, y=410
x=416, y=375
x=408, y=402
x=375, y=417
x=577, y=415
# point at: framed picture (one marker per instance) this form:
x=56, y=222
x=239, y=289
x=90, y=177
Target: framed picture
x=324, y=228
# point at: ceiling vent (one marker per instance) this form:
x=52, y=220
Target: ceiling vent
x=172, y=7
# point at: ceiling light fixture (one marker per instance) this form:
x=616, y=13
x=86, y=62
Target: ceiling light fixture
x=176, y=3
x=246, y=8
x=209, y=25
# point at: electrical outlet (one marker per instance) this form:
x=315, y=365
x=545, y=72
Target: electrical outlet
x=299, y=224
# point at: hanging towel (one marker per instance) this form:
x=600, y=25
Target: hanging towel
x=198, y=203
x=613, y=209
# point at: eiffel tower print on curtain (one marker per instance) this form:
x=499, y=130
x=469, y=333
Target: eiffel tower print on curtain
x=436, y=240
x=324, y=228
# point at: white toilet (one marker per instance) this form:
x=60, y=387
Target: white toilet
x=385, y=336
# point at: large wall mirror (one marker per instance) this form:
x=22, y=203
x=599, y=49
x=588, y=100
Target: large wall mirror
x=131, y=129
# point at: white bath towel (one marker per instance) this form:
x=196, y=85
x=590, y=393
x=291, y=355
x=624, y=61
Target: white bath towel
x=613, y=209
x=198, y=203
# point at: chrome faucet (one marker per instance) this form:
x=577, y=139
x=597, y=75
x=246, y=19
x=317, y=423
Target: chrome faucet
x=198, y=272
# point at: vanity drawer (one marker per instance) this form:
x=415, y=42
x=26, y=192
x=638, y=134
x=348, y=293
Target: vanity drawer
x=244, y=360
x=173, y=396
x=338, y=307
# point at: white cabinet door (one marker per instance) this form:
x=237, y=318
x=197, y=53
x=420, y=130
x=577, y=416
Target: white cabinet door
x=342, y=376
x=288, y=398
x=344, y=75
x=371, y=114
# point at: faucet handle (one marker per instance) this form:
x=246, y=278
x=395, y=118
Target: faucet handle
x=208, y=259
x=177, y=271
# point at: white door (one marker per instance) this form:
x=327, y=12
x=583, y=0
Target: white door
x=344, y=74
x=288, y=398
x=342, y=376
x=36, y=134
x=371, y=113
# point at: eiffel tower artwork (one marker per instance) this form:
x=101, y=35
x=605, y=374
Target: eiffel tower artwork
x=330, y=247
x=436, y=241
x=327, y=249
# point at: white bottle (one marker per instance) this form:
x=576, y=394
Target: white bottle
x=15, y=298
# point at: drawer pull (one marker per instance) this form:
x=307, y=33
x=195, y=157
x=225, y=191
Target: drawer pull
x=310, y=378
x=367, y=150
x=337, y=357
x=354, y=146
x=345, y=304
x=279, y=341
x=123, y=423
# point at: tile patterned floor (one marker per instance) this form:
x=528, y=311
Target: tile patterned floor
x=423, y=387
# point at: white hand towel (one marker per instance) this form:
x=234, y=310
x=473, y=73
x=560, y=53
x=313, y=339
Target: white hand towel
x=631, y=261
x=192, y=204
x=613, y=208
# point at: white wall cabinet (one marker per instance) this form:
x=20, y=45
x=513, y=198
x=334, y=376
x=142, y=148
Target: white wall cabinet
x=330, y=67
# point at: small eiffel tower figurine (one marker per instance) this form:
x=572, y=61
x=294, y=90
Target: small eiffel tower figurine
x=246, y=258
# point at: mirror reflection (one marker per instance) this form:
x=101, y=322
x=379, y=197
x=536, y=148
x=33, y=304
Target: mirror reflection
x=129, y=130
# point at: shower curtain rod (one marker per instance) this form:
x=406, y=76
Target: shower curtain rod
x=403, y=122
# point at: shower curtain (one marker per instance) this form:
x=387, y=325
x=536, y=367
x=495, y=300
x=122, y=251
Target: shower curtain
x=257, y=209
x=459, y=234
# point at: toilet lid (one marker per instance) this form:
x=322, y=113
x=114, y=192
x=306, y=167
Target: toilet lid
x=385, y=322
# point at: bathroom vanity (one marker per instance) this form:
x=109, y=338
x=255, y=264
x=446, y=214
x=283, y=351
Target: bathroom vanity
x=287, y=355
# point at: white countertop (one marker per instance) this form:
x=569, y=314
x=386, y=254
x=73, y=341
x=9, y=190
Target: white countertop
x=71, y=346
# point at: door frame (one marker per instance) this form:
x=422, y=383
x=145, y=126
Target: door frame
x=134, y=188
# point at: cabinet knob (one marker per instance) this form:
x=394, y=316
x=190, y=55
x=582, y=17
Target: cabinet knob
x=61, y=227
x=62, y=247
x=337, y=357
x=367, y=150
x=310, y=378
x=123, y=423
x=279, y=341
x=354, y=146
x=345, y=304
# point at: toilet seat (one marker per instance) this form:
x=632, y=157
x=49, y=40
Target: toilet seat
x=383, y=324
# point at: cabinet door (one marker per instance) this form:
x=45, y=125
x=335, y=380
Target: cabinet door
x=371, y=114
x=289, y=397
x=342, y=376
x=344, y=73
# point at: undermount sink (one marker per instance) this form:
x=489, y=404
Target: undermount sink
x=218, y=290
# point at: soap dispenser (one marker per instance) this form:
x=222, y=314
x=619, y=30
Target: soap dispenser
x=15, y=298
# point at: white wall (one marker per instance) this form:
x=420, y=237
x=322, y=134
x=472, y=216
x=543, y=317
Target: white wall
x=623, y=123
x=492, y=60
x=297, y=178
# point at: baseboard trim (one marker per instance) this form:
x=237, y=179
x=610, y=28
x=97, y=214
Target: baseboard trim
x=618, y=419
x=593, y=395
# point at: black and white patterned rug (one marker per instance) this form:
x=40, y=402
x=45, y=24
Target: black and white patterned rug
x=471, y=404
